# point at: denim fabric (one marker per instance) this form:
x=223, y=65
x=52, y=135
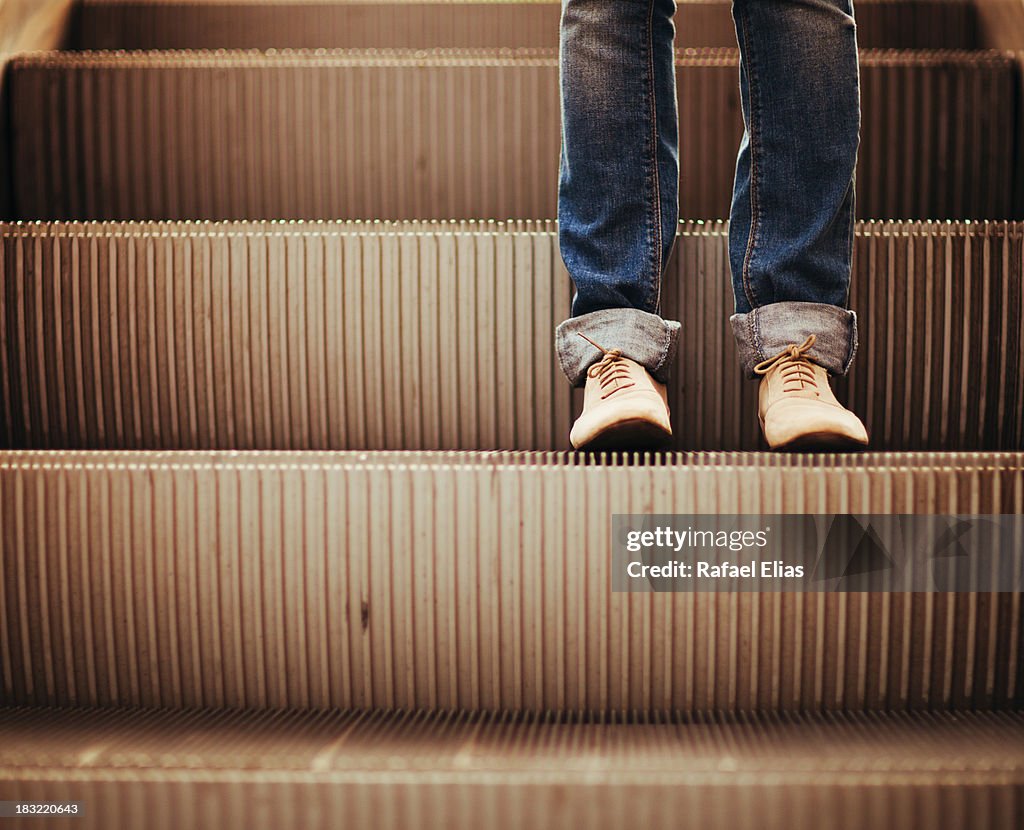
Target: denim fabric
x=639, y=335
x=791, y=224
x=767, y=330
x=618, y=188
x=791, y=221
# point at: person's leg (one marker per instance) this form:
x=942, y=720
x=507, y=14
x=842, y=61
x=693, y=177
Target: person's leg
x=791, y=224
x=618, y=184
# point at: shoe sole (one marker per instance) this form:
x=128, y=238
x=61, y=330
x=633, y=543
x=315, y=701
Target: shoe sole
x=634, y=434
x=821, y=441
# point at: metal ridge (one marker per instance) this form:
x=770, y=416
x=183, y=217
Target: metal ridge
x=447, y=56
x=494, y=460
x=43, y=228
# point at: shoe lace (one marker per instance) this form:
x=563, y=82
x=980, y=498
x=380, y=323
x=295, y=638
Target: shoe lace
x=612, y=370
x=796, y=370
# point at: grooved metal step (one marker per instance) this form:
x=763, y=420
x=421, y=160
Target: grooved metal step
x=380, y=134
x=216, y=770
x=319, y=581
x=440, y=336
x=278, y=24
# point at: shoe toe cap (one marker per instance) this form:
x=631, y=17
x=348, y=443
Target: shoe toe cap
x=788, y=422
x=640, y=406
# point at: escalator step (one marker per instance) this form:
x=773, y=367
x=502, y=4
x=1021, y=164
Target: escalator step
x=439, y=581
x=445, y=134
x=440, y=336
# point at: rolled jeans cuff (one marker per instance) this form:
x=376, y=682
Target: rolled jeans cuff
x=767, y=330
x=639, y=335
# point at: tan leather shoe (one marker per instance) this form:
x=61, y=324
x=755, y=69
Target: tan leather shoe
x=624, y=407
x=797, y=408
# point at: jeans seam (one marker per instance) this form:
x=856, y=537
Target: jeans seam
x=652, y=94
x=755, y=216
x=852, y=219
x=851, y=329
x=850, y=223
x=664, y=352
x=754, y=328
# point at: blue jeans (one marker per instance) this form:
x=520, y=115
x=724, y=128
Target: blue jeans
x=791, y=221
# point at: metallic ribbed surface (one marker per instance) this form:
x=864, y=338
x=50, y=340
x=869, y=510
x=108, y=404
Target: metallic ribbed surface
x=380, y=134
x=1017, y=199
x=440, y=336
x=321, y=581
x=220, y=770
x=311, y=24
